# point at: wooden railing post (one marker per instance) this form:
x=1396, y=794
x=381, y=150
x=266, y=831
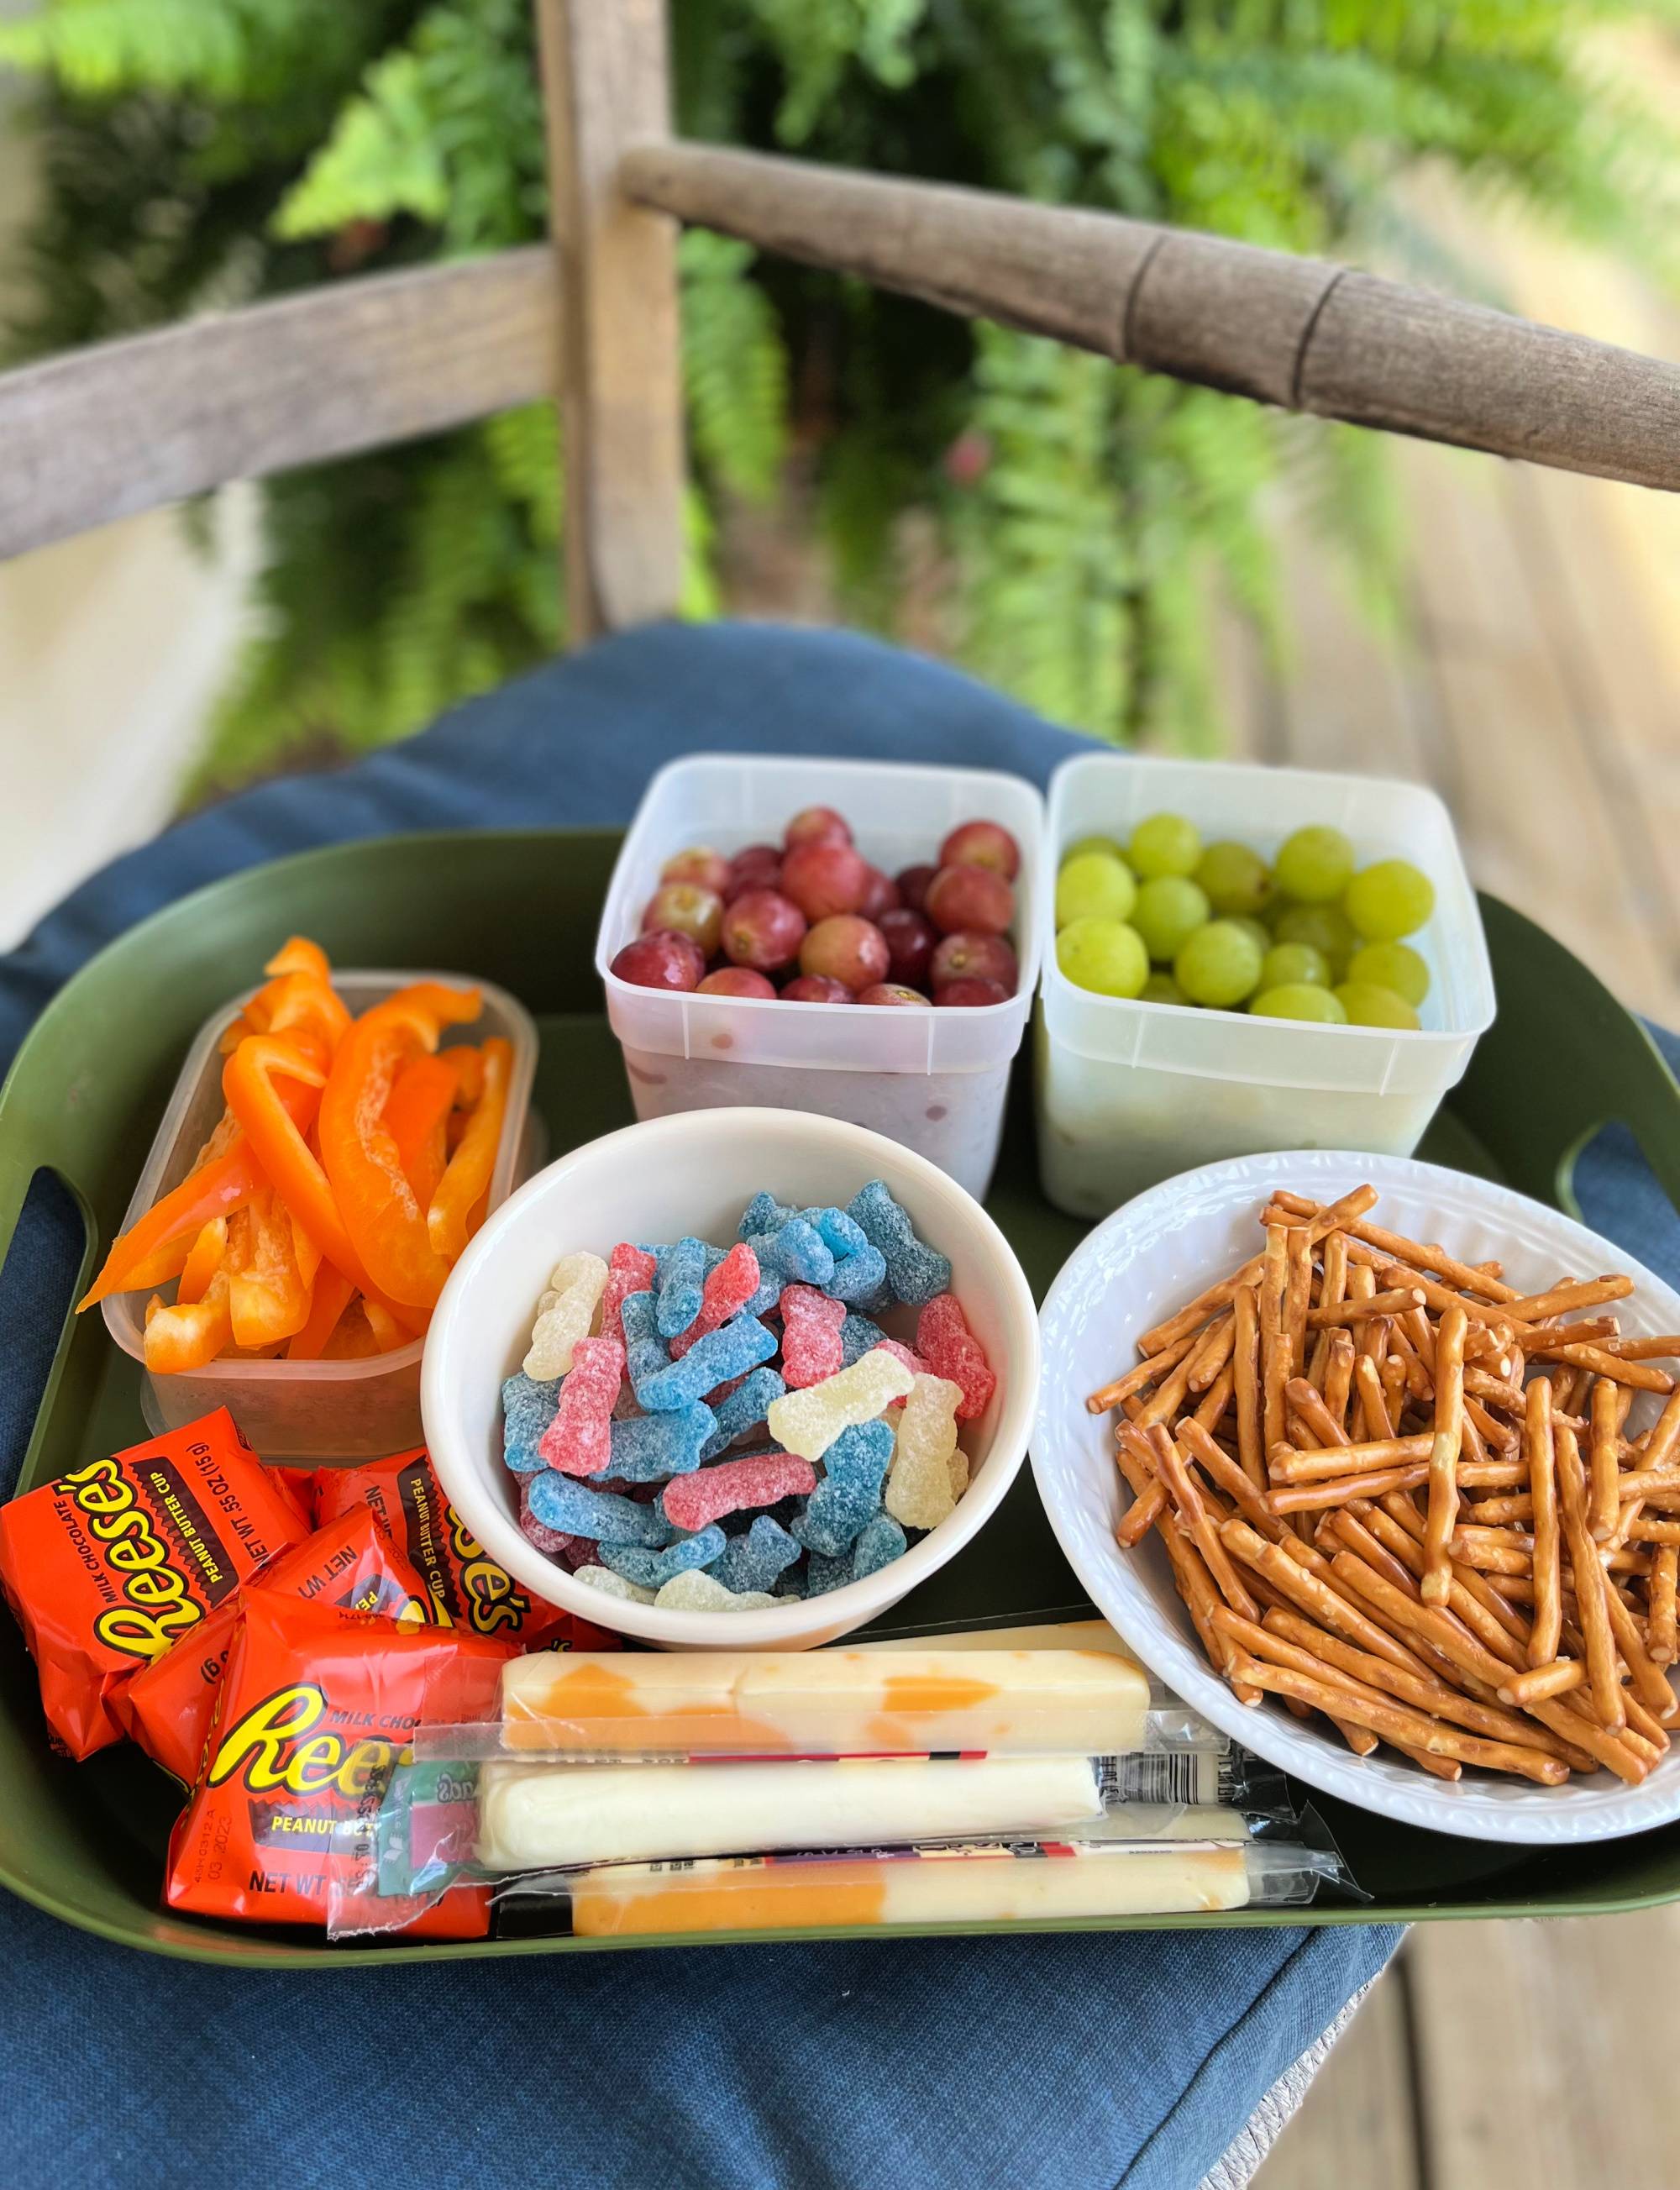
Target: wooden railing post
x=605, y=86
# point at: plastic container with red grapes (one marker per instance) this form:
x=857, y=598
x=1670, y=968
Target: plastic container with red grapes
x=790, y=1005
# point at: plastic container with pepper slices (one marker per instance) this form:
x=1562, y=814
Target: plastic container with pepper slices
x=314, y=1411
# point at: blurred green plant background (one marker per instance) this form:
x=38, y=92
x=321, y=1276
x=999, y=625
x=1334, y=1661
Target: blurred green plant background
x=201, y=153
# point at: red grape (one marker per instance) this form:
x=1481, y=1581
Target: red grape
x=823, y=878
x=701, y=866
x=891, y=992
x=909, y=938
x=965, y=957
x=818, y=825
x=663, y=960
x=759, y=867
x=975, y=899
x=816, y=988
x=982, y=844
x=972, y=991
x=690, y=910
x=882, y=898
x=846, y=949
x=736, y=981
x=913, y=886
x=762, y=929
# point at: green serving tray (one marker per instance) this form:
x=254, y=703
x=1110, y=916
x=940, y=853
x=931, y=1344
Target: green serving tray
x=87, y=1840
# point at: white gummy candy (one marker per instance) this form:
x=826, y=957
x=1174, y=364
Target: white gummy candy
x=807, y=1422
x=920, y=1491
x=575, y=1289
x=613, y=1584
x=696, y=1591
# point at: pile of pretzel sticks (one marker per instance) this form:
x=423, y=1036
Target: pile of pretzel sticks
x=1397, y=1491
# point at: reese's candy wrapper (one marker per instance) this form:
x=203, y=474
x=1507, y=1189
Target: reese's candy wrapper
x=315, y=1711
x=467, y=1587
x=351, y=1565
x=112, y=1564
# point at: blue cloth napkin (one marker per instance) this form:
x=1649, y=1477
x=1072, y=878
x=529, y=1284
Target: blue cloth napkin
x=1083, y=2062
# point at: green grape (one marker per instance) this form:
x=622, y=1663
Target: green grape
x=1110, y=848
x=1389, y=900
x=1220, y=964
x=1103, y=956
x=1326, y=928
x=1235, y=878
x=1161, y=988
x=1392, y=966
x=1170, y=909
x=1368, y=1005
x=1256, y=928
x=1093, y=886
x=1289, y=964
x=1300, y=1000
x=1314, y=865
x=1165, y=844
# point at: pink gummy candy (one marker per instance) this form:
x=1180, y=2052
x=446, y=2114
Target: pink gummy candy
x=694, y=1501
x=726, y=1292
x=579, y=1439
x=810, y=1336
x=553, y=1543
x=913, y=1362
x=952, y=1351
x=628, y=1271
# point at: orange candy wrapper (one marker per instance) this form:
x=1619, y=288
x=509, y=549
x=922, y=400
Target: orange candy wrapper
x=112, y=1565
x=351, y=1565
x=466, y=1586
x=315, y=1708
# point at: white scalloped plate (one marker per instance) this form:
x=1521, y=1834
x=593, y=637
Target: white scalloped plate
x=1161, y=1250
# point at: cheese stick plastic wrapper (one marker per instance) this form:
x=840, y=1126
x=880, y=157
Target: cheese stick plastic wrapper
x=830, y=1702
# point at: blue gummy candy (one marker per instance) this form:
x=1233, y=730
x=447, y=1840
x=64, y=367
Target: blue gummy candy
x=735, y=1346
x=681, y=1275
x=645, y=1352
x=823, y=1574
x=879, y=1544
x=648, y=1447
x=859, y=1278
x=795, y=1256
x=754, y=1561
x=528, y=1406
x=840, y=1233
x=858, y=1337
x=763, y=1213
x=745, y=1408
x=560, y=1501
x=651, y=1569
x=917, y=1271
x=849, y=1497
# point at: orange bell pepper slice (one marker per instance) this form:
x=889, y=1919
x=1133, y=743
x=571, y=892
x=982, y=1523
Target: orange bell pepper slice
x=167, y=1261
x=463, y=1184
x=298, y=955
x=423, y=1095
x=330, y=1295
x=191, y=1334
x=375, y=1202
x=204, y=1258
x=268, y=1299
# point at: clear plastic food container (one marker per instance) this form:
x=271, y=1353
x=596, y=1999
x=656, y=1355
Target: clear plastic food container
x=1129, y=1093
x=933, y=1079
x=317, y=1411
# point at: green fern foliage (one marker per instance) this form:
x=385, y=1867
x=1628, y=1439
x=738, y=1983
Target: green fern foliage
x=1071, y=522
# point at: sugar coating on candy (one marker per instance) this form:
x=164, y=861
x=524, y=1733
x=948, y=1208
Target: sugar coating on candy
x=743, y=1410
x=676, y=1296
x=645, y=1352
x=527, y=1408
x=553, y=1543
x=840, y=1233
x=734, y=1486
x=914, y=1271
x=823, y=1574
x=763, y=1213
x=731, y=1286
x=848, y=1497
x=651, y=1569
x=742, y=1343
x=696, y=1591
x=577, y=1441
x=648, y=1447
x=630, y=1269
x=919, y=1493
x=808, y=1422
x=950, y=1349
x=613, y=1584
x=558, y=1501
x=576, y=1282
x=858, y=1334
x=794, y=1256
x=860, y=1278
x=757, y=1559
x=880, y=1541
x=810, y=1336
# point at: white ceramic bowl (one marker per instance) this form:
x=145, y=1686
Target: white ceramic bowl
x=1160, y=1251
x=694, y=1173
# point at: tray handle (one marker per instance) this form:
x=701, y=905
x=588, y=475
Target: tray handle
x=1600, y=1067
x=46, y=1244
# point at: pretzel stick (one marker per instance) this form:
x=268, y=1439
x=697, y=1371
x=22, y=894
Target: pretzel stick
x=1410, y=1728
x=1604, y=1500
x=1373, y=1418
x=1201, y=1600
x=1643, y=1531
x=1591, y=1586
x=1649, y=1684
x=1493, y=1391
x=1289, y=1463
x=1556, y=1679
x=1473, y=1450
x=1430, y=1623
x=1297, y=1292
x=1230, y=1479
x=1357, y=1311
x=1662, y=1642
x=1134, y=1455
x=1215, y=1400
x=1539, y=1449
x=1465, y=1275
x=1169, y=1395
x=1195, y=1313
x=1486, y=1512
x=1194, y=1518
x=1314, y=1412
x=1246, y=1370
x=1273, y=1351
x=1339, y=1380
x=1136, y=1380
x=1640, y=1374
x=1393, y=1368
x=1419, y=1383
x=1666, y=1348
x=1476, y=1548
x=1308, y=1594
x=1333, y=1293
x=1444, y=1452
x=1563, y=1300
x=1530, y=1335
x=1310, y=1497
x=1206, y=1360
